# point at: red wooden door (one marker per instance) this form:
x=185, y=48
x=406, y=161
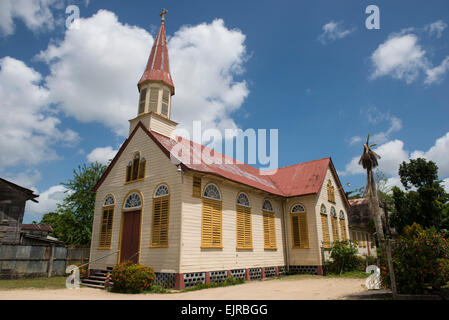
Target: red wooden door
x=130, y=236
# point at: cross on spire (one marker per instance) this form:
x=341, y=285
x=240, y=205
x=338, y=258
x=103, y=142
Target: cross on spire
x=164, y=12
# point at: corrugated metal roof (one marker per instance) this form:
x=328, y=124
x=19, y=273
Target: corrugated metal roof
x=300, y=179
x=158, y=67
x=296, y=180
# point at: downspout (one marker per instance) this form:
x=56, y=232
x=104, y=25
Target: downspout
x=285, y=238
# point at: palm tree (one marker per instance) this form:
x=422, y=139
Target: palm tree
x=369, y=161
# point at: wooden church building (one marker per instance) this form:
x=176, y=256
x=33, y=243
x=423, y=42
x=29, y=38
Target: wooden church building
x=196, y=222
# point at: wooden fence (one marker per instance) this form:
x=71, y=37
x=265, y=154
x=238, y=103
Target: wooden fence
x=26, y=261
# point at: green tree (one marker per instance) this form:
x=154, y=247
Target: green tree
x=72, y=222
x=424, y=201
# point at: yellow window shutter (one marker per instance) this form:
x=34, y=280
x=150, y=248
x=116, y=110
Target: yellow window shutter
x=269, y=230
x=303, y=230
x=211, y=229
x=343, y=229
x=106, y=228
x=325, y=229
x=334, y=229
x=295, y=233
x=159, y=229
x=244, y=234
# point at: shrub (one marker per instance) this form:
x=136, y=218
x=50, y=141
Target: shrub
x=420, y=261
x=343, y=258
x=132, y=278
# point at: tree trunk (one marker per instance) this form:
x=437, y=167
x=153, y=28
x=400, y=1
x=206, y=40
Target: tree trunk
x=384, y=245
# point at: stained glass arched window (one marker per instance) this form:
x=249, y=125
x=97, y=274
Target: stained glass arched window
x=323, y=209
x=161, y=191
x=109, y=201
x=133, y=201
x=342, y=214
x=267, y=206
x=211, y=192
x=298, y=208
x=242, y=200
x=333, y=212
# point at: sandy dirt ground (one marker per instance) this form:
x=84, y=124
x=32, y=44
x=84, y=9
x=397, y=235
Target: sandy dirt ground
x=318, y=288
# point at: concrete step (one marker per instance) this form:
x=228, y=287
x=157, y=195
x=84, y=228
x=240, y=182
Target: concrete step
x=96, y=286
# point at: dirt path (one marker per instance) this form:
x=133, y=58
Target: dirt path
x=313, y=288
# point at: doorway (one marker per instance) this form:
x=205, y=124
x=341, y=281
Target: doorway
x=130, y=243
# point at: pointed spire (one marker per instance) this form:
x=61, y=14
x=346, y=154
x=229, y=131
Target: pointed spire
x=158, y=68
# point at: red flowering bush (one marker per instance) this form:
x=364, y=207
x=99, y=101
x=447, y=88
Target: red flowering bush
x=420, y=260
x=128, y=277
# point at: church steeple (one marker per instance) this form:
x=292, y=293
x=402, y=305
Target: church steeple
x=156, y=85
x=158, y=67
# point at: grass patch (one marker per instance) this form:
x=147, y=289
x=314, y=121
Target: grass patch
x=157, y=289
x=34, y=283
x=230, y=281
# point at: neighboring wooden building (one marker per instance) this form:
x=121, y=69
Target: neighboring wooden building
x=196, y=221
x=12, y=209
x=359, y=216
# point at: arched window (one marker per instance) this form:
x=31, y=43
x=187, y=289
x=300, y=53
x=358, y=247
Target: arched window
x=323, y=209
x=343, y=226
x=330, y=192
x=211, y=226
x=109, y=201
x=244, y=234
x=135, y=170
x=161, y=191
x=334, y=223
x=324, y=226
x=267, y=206
x=300, y=230
x=106, y=223
x=133, y=201
x=269, y=227
x=211, y=192
x=161, y=213
x=243, y=200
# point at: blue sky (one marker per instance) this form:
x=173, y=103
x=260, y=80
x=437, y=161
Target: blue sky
x=310, y=69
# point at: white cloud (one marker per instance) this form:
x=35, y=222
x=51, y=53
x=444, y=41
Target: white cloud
x=400, y=57
x=36, y=14
x=438, y=153
x=446, y=184
x=95, y=70
x=102, y=155
x=355, y=140
x=375, y=116
x=27, y=179
x=48, y=201
x=436, y=28
x=393, y=154
x=28, y=129
x=204, y=62
x=436, y=74
x=333, y=31
x=382, y=137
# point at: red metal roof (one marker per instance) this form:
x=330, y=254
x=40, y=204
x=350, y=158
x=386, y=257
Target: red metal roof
x=296, y=180
x=158, y=67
